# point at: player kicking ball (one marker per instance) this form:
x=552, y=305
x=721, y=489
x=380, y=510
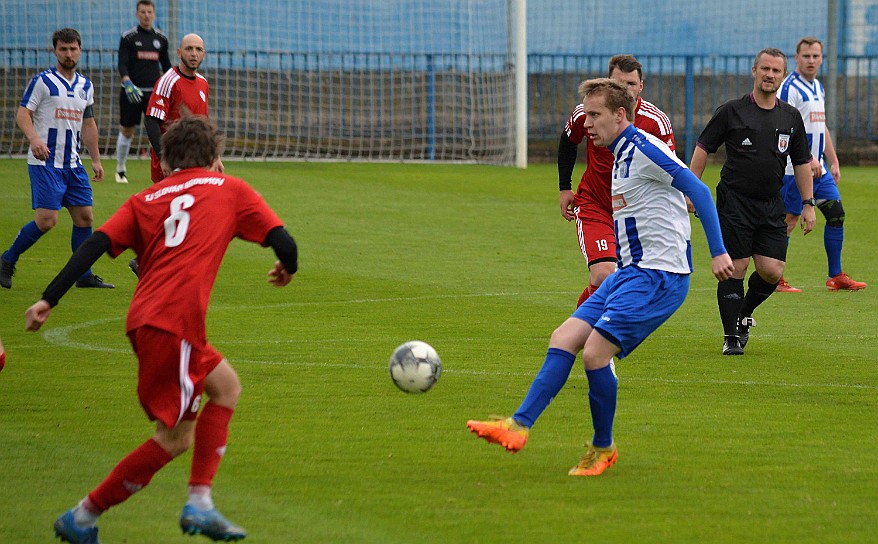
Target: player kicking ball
x=180, y=229
x=652, y=226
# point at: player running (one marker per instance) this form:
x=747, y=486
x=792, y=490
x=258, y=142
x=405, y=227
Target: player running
x=650, y=215
x=180, y=228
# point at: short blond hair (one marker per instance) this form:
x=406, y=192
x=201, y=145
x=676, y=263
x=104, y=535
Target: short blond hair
x=615, y=94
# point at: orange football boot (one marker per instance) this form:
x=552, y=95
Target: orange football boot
x=784, y=287
x=843, y=282
x=504, y=431
x=595, y=461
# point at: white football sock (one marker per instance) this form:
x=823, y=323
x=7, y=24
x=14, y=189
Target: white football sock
x=123, y=146
x=199, y=497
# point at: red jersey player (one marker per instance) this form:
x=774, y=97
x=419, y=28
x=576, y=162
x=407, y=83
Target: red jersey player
x=180, y=90
x=180, y=228
x=591, y=206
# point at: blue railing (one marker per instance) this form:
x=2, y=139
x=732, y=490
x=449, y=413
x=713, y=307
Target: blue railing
x=687, y=87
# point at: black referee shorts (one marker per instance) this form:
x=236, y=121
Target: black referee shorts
x=130, y=114
x=751, y=226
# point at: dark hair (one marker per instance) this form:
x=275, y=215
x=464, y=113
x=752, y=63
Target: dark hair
x=66, y=35
x=625, y=63
x=146, y=3
x=193, y=141
x=808, y=40
x=615, y=94
x=771, y=52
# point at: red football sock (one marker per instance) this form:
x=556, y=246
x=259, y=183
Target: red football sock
x=2, y=360
x=132, y=474
x=585, y=294
x=211, y=436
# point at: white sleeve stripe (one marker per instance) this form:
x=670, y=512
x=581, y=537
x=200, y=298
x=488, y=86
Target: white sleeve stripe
x=649, y=109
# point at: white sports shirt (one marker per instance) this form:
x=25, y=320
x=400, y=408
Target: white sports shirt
x=58, y=105
x=650, y=217
x=810, y=99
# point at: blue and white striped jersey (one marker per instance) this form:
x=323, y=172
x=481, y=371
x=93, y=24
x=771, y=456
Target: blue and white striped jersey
x=58, y=105
x=650, y=217
x=809, y=98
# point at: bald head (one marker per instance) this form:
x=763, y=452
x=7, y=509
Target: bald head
x=191, y=53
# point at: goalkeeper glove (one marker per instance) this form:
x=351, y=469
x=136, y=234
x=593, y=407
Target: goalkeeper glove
x=132, y=93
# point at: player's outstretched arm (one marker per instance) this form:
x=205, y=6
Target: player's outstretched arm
x=36, y=315
x=278, y=275
x=81, y=260
x=288, y=256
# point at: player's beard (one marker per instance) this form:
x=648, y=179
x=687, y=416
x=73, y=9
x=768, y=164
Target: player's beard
x=193, y=64
x=769, y=87
x=68, y=64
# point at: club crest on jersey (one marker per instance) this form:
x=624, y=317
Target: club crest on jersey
x=83, y=95
x=783, y=142
x=157, y=44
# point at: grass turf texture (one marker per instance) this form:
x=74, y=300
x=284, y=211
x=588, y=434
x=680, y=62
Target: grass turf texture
x=775, y=446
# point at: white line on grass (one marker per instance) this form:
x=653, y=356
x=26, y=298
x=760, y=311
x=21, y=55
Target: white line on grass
x=61, y=337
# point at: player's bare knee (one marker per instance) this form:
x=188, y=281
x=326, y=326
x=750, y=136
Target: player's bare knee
x=228, y=396
x=82, y=216
x=223, y=386
x=46, y=223
x=600, y=271
x=175, y=441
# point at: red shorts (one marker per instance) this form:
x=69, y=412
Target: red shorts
x=155, y=168
x=597, y=238
x=170, y=375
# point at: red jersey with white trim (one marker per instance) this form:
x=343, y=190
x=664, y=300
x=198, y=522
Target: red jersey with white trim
x=174, y=91
x=180, y=229
x=596, y=183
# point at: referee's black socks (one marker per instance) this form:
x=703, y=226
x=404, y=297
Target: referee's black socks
x=730, y=297
x=757, y=291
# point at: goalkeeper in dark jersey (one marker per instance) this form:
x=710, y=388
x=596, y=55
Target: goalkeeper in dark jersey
x=143, y=58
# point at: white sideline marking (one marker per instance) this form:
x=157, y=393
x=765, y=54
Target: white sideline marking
x=61, y=337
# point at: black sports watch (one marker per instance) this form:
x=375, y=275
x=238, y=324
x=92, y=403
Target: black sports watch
x=811, y=201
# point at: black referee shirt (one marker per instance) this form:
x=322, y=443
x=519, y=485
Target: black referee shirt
x=758, y=143
x=143, y=56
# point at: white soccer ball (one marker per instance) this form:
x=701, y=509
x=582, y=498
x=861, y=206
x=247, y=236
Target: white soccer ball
x=415, y=367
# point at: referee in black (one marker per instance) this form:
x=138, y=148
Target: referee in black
x=143, y=58
x=760, y=132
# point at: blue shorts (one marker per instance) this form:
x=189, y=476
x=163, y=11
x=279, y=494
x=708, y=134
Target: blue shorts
x=632, y=303
x=825, y=188
x=56, y=188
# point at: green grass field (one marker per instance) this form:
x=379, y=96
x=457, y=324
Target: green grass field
x=776, y=446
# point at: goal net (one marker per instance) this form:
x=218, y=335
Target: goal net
x=376, y=80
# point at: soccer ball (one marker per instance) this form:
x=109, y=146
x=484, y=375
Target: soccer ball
x=415, y=367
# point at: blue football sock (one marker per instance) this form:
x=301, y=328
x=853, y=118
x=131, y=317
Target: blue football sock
x=833, y=237
x=549, y=381
x=77, y=237
x=602, y=389
x=27, y=236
